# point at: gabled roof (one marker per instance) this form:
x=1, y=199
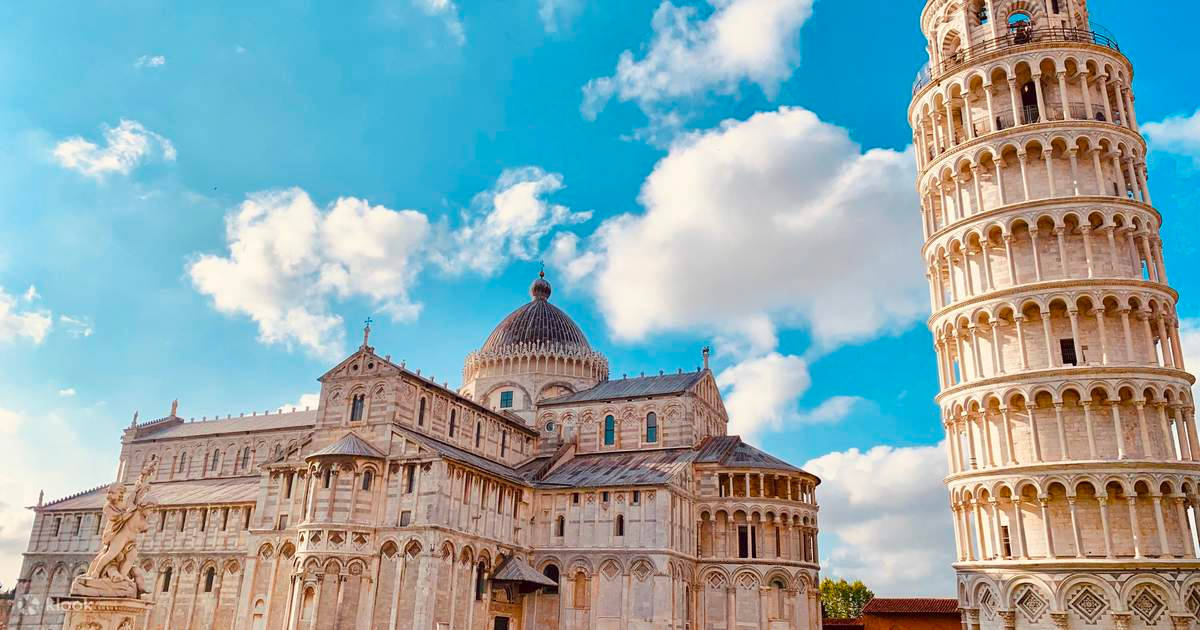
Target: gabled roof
x=912, y=606
x=629, y=468
x=731, y=451
x=449, y=451
x=660, y=385
x=350, y=446
x=515, y=569
x=265, y=422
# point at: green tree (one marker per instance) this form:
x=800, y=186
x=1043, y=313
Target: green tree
x=844, y=600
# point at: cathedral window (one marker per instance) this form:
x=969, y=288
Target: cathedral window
x=162, y=520
x=551, y=573
x=209, y=576
x=182, y=519
x=203, y=520
x=619, y=526
x=224, y=519
x=506, y=399
x=1068, y=351
x=604, y=497
x=283, y=522
x=421, y=413
x=366, y=482
x=651, y=428
x=246, y=458
x=327, y=478
x=780, y=599
x=356, y=407
x=405, y=518
x=410, y=478
x=610, y=431
x=78, y=524
x=216, y=458
x=246, y=525
x=637, y=497
x=287, y=491
x=575, y=498
x=166, y=583
x=503, y=443
x=57, y=525
x=453, y=422
x=1054, y=6
x=478, y=433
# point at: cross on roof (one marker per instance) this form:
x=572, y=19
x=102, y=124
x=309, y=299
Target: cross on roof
x=367, y=331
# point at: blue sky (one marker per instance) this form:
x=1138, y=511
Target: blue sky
x=208, y=200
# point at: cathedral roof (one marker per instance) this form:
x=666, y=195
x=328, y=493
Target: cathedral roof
x=731, y=451
x=449, y=451
x=630, y=468
x=660, y=385
x=538, y=322
x=514, y=569
x=189, y=492
x=264, y=422
x=350, y=446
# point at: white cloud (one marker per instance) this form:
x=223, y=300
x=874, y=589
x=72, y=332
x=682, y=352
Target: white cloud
x=1176, y=134
x=126, y=146
x=51, y=457
x=557, y=15
x=448, y=11
x=690, y=54
x=762, y=395
x=150, y=61
x=507, y=222
x=288, y=258
x=17, y=321
x=776, y=221
x=68, y=392
x=76, y=326
x=885, y=519
x=307, y=401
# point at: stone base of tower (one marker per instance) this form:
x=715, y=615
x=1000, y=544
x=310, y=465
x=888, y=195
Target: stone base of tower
x=101, y=613
x=1157, y=596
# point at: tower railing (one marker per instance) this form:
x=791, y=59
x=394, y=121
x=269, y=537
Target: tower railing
x=1015, y=37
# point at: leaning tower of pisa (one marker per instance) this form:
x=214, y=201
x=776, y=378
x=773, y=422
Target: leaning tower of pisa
x=1074, y=464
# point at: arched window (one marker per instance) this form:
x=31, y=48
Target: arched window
x=610, y=431
x=216, y=459
x=780, y=599
x=453, y=422
x=421, y=413
x=1020, y=26
x=209, y=576
x=328, y=477
x=182, y=461
x=478, y=433
x=581, y=590
x=503, y=443
x=619, y=526
x=551, y=573
x=367, y=477
x=651, y=428
x=560, y=526
x=356, y=407
x=166, y=580
x=480, y=581
x=245, y=458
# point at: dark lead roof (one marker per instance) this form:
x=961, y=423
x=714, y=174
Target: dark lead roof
x=731, y=451
x=537, y=322
x=632, y=468
x=631, y=388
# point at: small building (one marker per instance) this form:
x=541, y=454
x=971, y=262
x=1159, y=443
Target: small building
x=911, y=613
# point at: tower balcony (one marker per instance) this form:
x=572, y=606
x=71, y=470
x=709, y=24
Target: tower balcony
x=1014, y=39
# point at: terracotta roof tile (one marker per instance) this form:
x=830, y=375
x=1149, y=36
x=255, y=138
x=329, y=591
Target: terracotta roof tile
x=911, y=606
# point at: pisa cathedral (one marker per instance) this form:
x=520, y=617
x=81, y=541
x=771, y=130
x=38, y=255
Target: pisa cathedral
x=540, y=494
x=1074, y=464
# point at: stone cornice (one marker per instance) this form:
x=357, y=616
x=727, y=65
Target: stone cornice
x=1032, y=289
x=1069, y=203
x=1031, y=378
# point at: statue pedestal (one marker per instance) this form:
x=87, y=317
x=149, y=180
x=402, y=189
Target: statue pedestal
x=103, y=613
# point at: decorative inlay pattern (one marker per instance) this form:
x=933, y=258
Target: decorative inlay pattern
x=1148, y=604
x=1031, y=603
x=1085, y=602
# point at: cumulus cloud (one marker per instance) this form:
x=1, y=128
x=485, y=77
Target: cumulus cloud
x=307, y=401
x=1176, y=134
x=762, y=395
x=125, y=147
x=691, y=54
x=287, y=258
x=51, y=457
x=775, y=221
x=67, y=392
x=448, y=12
x=18, y=319
x=885, y=519
x=150, y=61
x=557, y=15
x=507, y=222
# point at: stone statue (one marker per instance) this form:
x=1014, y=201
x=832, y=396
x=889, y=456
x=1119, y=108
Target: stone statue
x=114, y=572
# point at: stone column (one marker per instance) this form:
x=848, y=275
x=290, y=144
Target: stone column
x=1063, y=447
x=1103, y=501
x=1091, y=433
x=1135, y=526
x=1120, y=428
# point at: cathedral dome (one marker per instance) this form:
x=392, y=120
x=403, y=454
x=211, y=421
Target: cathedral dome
x=537, y=323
